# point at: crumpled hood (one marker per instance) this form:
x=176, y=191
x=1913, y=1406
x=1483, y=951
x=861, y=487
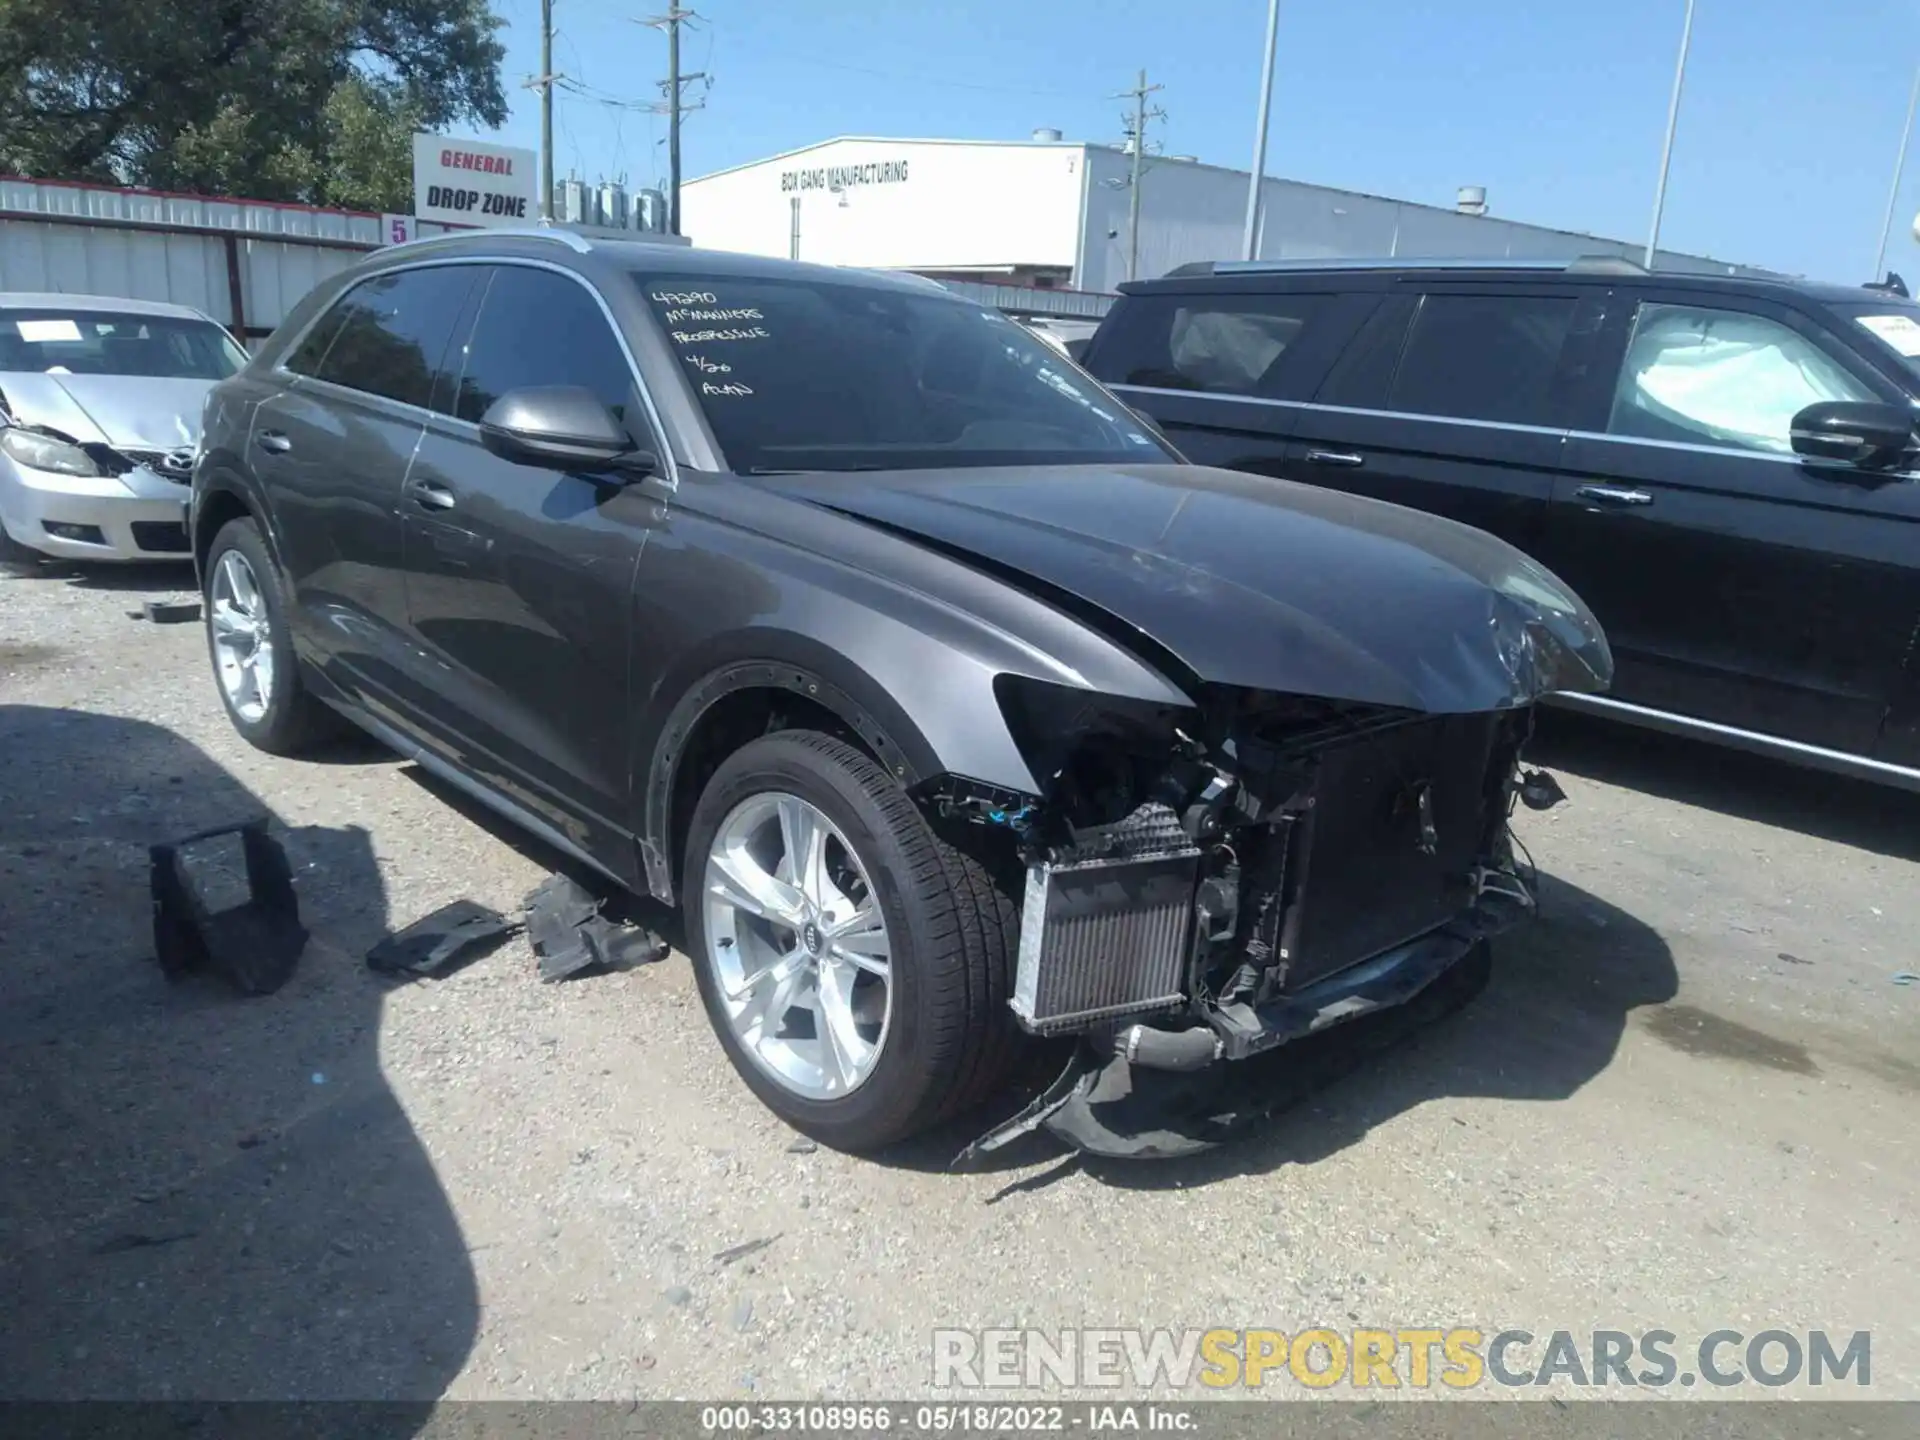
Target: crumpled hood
x=1261, y=583
x=140, y=412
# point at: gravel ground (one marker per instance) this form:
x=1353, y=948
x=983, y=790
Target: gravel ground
x=1685, y=1101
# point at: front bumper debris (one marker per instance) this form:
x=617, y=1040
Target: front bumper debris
x=1105, y=1104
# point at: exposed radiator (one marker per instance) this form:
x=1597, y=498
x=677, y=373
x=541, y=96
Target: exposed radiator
x=1106, y=928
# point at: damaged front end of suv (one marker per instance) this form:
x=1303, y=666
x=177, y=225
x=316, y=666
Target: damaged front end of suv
x=1206, y=884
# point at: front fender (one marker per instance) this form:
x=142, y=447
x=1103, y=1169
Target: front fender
x=908, y=665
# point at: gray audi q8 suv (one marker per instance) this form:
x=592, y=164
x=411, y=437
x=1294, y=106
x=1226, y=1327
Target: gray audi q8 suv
x=947, y=701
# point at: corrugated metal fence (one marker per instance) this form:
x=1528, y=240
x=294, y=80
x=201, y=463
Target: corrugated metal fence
x=244, y=262
x=247, y=262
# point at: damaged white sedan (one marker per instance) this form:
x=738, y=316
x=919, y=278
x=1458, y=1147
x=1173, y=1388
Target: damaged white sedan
x=948, y=703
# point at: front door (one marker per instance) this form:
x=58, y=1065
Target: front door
x=333, y=450
x=1737, y=583
x=1455, y=401
x=520, y=579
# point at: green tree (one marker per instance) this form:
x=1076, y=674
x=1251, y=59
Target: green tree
x=310, y=100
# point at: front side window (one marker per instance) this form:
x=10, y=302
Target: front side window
x=537, y=327
x=389, y=335
x=829, y=375
x=1222, y=344
x=101, y=342
x=1484, y=357
x=1720, y=377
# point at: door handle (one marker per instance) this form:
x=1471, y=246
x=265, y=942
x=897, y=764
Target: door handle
x=1613, y=495
x=1344, y=458
x=429, y=496
x=273, y=441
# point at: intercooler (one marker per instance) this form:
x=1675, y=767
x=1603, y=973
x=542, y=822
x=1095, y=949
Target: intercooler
x=1379, y=847
x=1105, y=928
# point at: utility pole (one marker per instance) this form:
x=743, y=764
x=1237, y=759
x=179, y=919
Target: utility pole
x=1673, y=121
x=544, y=82
x=1250, y=242
x=1893, y=198
x=1137, y=134
x=674, y=105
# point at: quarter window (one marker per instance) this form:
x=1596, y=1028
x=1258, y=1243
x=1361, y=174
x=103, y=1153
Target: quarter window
x=1484, y=357
x=389, y=334
x=1721, y=377
x=538, y=327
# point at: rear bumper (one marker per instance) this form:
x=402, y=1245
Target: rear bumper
x=135, y=516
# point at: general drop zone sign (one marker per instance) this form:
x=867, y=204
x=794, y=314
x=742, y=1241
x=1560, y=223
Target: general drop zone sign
x=469, y=182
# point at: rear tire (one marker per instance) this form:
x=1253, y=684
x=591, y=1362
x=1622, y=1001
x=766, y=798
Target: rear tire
x=244, y=595
x=946, y=1037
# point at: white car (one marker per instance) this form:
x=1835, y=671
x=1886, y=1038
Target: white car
x=100, y=402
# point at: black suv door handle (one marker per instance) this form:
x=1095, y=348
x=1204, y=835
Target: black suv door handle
x=1613, y=495
x=274, y=441
x=429, y=496
x=1335, y=457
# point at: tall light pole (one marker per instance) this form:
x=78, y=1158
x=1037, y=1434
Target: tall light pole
x=1251, y=240
x=1666, y=151
x=1893, y=196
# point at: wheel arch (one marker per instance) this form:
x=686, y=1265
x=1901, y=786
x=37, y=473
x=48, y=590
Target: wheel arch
x=729, y=704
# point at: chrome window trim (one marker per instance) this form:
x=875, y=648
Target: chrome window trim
x=656, y=426
x=1729, y=450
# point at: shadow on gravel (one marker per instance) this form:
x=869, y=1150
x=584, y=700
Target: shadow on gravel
x=206, y=1196
x=1732, y=782
x=139, y=577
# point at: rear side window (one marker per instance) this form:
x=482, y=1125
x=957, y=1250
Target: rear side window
x=538, y=327
x=1484, y=357
x=1221, y=344
x=389, y=335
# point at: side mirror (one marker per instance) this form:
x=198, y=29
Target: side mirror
x=1865, y=434
x=561, y=427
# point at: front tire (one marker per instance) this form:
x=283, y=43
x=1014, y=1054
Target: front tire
x=251, y=646
x=860, y=988
x=15, y=558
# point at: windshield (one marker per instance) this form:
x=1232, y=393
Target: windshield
x=103, y=342
x=821, y=375
x=1896, y=324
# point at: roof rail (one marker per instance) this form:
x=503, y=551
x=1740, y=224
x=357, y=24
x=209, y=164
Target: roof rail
x=1350, y=262
x=573, y=240
x=1606, y=265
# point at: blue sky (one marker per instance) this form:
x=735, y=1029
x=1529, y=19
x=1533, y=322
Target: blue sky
x=1788, y=129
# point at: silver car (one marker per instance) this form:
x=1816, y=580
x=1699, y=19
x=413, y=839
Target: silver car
x=100, y=402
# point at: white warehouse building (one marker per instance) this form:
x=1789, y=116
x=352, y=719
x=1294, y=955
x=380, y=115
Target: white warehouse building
x=1054, y=213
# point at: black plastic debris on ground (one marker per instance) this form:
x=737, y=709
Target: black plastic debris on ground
x=167, y=612
x=254, y=945
x=569, y=934
x=432, y=943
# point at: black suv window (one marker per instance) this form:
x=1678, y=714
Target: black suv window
x=1223, y=344
x=388, y=335
x=538, y=327
x=1484, y=357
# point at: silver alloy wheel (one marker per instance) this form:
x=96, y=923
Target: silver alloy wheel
x=797, y=946
x=242, y=644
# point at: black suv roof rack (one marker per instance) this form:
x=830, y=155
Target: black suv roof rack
x=1583, y=265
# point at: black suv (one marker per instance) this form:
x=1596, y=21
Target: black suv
x=942, y=696
x=1719, y=466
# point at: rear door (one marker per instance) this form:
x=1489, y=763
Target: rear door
x=1737, y=583
x=332, y=450
x=520, y=578
x=1210, y=366
x=1455, y=399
